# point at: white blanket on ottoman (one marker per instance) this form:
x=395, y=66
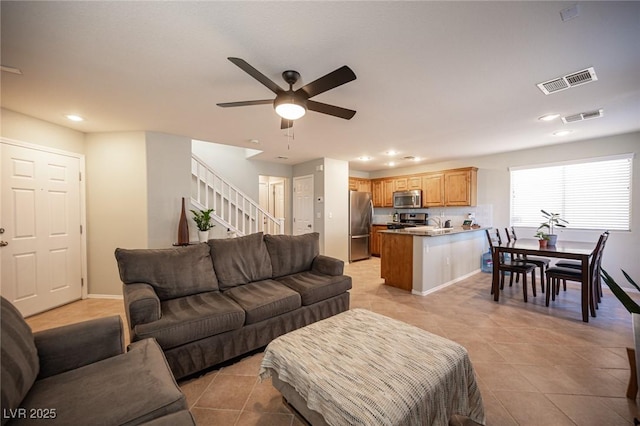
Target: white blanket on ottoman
x=362, y=368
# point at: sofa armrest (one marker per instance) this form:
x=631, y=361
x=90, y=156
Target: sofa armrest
x=141, y=304
x=328, y=265
x=72, y=346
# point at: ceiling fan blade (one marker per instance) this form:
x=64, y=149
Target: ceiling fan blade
x=285, y=124
x=245, y=103
x=244, y=65
x=336, y=111
x=334, y=79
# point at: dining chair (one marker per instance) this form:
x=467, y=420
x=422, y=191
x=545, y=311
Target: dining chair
x=557, y=275
x=574, y=264
x=540, y=262
x=514, y=267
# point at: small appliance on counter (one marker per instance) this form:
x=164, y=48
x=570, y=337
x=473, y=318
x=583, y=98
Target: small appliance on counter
x=407, y=220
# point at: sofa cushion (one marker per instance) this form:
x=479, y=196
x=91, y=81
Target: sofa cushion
x=192, y=318
x=19, y=358
x=240, y=260
x=172, y=272
x=264, y=299
x=314, y=287
x=127, y=389
x=292, y=253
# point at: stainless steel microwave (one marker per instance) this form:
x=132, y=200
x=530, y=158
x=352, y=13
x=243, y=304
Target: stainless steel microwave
x=407, y=199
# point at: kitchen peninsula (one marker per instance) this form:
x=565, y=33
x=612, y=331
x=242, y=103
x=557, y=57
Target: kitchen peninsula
x=423, y=260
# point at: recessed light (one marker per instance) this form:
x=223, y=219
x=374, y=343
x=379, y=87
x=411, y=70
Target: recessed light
x=364, y=158
x=391, y=153
x=549, y=117
x=74, y=117
x=561, y=133
x=281, y=157
x=391, y=164
x=254, y=141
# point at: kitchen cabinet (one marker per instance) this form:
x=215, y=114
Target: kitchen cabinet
x=377, y=193
x=387, y=191
x=461, y=187
x=400, y=184
x=376, y=239
x=358, y=184
x=396, y=260
x=414, y=182
x=433, y=190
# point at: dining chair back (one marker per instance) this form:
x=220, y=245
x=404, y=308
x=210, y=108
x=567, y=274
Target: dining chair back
x=558, y=274
x=540, y=262
x=514, y=267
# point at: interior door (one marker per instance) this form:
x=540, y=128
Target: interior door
x=302, y=205
x=41, y=261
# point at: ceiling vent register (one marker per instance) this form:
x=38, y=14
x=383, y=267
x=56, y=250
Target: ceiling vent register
x=568, y=81
x=583, y=116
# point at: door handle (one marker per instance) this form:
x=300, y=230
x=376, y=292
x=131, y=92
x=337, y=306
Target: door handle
x=3, y=243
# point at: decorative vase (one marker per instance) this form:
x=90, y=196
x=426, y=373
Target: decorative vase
x=203, y=236
x=543, y=243
x=553, y=238
x=183, y=227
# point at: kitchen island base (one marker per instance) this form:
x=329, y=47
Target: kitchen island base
x=424, y=262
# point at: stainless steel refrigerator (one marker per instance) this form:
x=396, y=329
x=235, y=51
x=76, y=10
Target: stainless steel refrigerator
x=360, y=216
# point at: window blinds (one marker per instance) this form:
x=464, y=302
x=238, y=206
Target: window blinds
x=591, y=194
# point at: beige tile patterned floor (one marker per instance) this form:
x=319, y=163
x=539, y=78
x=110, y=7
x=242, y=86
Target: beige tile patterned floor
x=535, y=365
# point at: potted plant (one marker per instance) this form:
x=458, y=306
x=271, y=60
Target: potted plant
x=543, y=238
x=634, y=310
x=552, y=220
x=203, y=218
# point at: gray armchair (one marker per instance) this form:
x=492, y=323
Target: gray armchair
x=81, y=374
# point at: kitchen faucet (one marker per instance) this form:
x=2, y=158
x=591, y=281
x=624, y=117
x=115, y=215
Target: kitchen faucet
x=437, y=220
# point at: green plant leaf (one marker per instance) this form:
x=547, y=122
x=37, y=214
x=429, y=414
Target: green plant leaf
x=622, y=296
x=633, y=283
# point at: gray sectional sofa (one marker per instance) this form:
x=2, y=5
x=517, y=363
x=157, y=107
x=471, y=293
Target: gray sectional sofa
x=208, y=303
x=80, y=374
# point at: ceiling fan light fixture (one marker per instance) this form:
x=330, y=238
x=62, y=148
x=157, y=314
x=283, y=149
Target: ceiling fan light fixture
x=289, y=106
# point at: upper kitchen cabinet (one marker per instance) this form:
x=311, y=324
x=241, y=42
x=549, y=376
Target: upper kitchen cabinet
x=359, y=184
x=461, y=187
x=433, y=190
x=382, y=190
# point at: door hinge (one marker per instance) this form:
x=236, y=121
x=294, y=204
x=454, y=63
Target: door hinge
x=80, y=176
x=80, y=229
x=81, y=282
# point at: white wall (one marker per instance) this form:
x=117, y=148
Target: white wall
x=623, y=248
x=312, y=168
x=116, y=204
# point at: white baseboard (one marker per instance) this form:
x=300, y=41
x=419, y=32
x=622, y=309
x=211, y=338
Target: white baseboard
x=447, y=284
x=105, y=296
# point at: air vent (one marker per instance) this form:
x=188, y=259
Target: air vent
x=568, y=81
x=583, y=116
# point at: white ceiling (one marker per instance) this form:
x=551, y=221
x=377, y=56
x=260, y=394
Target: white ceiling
x=436, y=80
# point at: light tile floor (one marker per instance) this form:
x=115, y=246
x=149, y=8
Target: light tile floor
x=535, y=365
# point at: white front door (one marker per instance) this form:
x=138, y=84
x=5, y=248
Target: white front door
x=41, y=263
x=302, y=205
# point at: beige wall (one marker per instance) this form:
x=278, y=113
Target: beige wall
x=168, y=160
x=336, y=208
x=117, y=213
x=20, y=127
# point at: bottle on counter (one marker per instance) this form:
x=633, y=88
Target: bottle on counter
x=395, y=217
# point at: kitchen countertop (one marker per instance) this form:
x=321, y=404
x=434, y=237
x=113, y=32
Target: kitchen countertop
x=420, y=231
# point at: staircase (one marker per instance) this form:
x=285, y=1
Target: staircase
x=232, y=208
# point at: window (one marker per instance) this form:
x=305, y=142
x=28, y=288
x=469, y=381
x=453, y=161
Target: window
x=589, y=194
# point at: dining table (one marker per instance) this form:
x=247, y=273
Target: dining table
x=576, y=250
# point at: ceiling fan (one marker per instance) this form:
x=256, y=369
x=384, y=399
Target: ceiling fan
x=293, y=104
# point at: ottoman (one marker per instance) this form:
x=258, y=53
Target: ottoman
x=362, y=368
